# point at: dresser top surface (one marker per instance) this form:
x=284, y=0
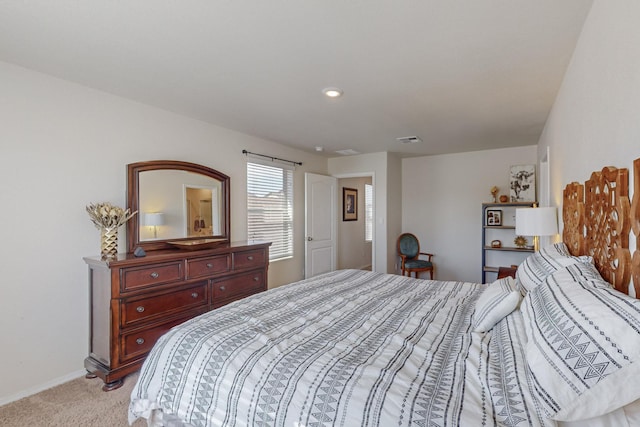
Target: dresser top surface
x=172, y=254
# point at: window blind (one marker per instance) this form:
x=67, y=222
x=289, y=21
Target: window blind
x=368, y=212
x=270, y=208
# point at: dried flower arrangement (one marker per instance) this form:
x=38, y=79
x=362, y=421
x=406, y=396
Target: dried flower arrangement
x=108, y=218
x=106, y=215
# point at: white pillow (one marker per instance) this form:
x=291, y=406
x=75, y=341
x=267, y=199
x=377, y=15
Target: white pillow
x=583, y=348
x=497, y=301
x=539, y=265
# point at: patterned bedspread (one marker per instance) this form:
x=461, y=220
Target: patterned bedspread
x=348, y=348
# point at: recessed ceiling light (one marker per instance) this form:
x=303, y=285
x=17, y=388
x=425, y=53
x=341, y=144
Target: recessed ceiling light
x=319, y=148
x=332, y=92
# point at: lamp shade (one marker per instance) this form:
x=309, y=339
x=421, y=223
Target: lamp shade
x=537, y=221
x=153, y=218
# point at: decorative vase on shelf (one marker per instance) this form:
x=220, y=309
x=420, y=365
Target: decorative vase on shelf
x=108, y=218
x=109, y=242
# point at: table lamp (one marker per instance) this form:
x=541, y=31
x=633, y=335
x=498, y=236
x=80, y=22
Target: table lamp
x=536, y=222
x=153, y=219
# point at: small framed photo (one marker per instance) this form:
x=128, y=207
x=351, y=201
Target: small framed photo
x=349, y=204
x=494, y=217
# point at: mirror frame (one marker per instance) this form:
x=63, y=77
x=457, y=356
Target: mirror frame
x=133, y=201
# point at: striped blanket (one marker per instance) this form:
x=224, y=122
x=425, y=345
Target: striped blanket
x=348, y=348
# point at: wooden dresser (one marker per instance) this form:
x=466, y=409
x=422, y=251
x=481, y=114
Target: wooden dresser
x=136, y=300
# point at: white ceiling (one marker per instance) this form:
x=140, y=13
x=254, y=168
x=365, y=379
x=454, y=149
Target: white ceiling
x=462, y=75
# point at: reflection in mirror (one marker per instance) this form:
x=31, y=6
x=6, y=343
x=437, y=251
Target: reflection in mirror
x=183, y=198
x=176, y=200
x=201, y=204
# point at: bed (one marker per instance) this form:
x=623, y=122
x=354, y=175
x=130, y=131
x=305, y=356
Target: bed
x=554, y=346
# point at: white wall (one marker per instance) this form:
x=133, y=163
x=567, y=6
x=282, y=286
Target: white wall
x=442, y=200
x=394, y=209
x=595, y=120
x=353, y=250
x=63, y=146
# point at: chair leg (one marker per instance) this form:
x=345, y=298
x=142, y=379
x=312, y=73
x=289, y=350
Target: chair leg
x=431, y=273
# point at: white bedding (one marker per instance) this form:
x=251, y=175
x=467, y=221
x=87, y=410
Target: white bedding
x=349, y=348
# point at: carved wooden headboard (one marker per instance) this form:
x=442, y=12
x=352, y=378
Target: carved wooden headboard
x=597, y=220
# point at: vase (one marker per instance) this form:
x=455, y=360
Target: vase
x=109, y=242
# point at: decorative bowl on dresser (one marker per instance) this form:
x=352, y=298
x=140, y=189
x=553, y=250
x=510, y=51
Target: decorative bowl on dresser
x=171, y=275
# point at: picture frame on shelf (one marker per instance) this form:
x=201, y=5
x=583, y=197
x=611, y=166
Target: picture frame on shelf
x=494, y=217
x=522, y=183
x=349, y=204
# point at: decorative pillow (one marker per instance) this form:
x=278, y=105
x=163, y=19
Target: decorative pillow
x=583, y=344
x=497, y=301
x=539, y=265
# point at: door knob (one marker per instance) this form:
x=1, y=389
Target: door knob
x=309, y=238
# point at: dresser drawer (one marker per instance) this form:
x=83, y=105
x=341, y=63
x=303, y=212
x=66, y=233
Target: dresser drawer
x=204, y=267
x=155, y=274
x=138, y=343
x=135, y=310
x=243, y=284
x=249, y=259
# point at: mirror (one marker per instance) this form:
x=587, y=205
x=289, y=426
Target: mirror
x=176, y=202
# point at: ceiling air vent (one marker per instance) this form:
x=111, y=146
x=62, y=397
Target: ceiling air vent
x=409, y=139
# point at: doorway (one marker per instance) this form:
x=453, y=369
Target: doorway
x=356, y=223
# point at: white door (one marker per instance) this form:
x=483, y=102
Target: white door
x=320, y=224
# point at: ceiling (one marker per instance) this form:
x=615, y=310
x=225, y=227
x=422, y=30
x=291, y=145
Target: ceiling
x=462, y=75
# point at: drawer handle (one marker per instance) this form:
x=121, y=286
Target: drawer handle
x=209, y=265
x=194, y=295
x=140, y=341
x=256, y=279
x=155, y=275
x=250, y=258
x=140, y=309
x=222, y=288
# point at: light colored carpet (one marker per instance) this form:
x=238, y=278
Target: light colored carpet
x=80, y=402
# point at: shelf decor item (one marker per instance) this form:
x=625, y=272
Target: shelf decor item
x=494, y=217
x=494, y=193
x=520, y=241
x=496, y=244
x=504, y=198
x=522, y=181
x=108, y=218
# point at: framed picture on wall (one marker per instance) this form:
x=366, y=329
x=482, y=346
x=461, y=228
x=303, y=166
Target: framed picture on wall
x=349, y=204
x=522, y=182
x=494, y=217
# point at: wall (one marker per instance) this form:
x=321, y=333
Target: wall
x=353, y=250
x=441, y=204
x=394, y=209
x=62, y=147
x=595, y=118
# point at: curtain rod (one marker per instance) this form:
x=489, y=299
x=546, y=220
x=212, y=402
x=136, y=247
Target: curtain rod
x=245, y=152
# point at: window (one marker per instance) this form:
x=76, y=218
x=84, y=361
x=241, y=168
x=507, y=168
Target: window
x=368, y=212
x=270, y=208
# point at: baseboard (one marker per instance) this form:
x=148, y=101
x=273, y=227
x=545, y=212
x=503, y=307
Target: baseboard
x=44, y=386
